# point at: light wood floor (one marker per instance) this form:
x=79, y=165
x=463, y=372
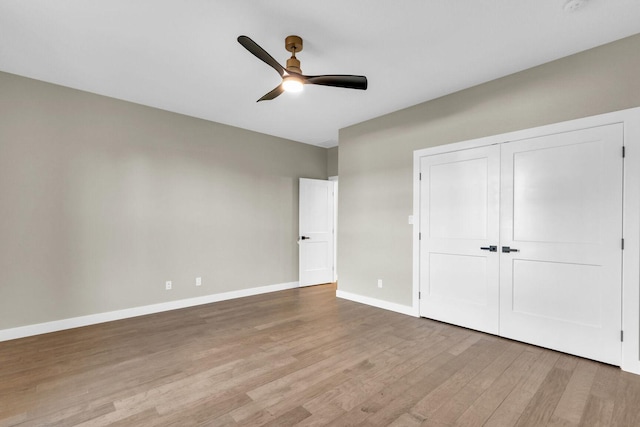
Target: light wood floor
x=301, y=357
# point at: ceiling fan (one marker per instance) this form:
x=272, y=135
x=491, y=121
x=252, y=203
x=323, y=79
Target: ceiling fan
x=292, y=77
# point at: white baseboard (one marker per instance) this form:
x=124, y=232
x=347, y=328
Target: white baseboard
x=391, y=306
x=92, y=319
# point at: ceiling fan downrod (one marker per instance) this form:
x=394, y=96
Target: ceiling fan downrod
x=293, y=44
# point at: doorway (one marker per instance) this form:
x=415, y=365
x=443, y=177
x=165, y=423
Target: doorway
x=523, y=239
x=316, y=232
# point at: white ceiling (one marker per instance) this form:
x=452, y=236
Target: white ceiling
x=182, y=55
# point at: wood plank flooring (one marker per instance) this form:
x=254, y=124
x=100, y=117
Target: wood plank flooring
x=301, y=357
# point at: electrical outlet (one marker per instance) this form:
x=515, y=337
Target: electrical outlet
x=379, y=283
x=167, y=285
x=198, y=281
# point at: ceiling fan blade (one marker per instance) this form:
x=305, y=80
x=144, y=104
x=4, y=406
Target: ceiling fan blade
x=346, y=81
x=261, y=54
x=273, y=94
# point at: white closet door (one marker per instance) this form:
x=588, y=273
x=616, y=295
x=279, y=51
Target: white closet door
x=459, y=207
x=561, y=208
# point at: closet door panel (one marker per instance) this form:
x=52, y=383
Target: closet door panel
x=459, y=207
x=561, y=210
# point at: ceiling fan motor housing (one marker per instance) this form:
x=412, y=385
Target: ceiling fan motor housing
x=294, y=65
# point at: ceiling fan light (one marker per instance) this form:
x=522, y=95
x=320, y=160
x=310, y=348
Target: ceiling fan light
x=292, y=84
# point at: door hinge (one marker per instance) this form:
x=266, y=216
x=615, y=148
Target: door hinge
x=419, y=236
x=622, y=244
x=420, y=176
x=419, y=295
x=621, y=336
x=624, y=151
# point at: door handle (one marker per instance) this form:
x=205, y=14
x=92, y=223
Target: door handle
x=490, y=248
x=305, y=238
x=507, y=249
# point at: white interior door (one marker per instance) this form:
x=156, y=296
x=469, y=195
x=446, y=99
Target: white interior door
x=459, y=204
x=316, y=232
x=562, y=211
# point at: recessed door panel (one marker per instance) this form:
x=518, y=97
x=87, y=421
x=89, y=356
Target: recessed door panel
x=459, y=215
x=458, y=206
x=316, y=256
x=543, y=289
x=553, y=198
x=458, y=278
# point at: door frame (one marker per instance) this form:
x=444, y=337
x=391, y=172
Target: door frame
x=630, y=119
x=334, y=179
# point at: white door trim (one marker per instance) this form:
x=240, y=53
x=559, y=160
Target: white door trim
x=630, y=119
x=334, y=179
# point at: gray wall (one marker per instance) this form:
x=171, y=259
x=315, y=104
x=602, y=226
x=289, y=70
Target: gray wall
x=332, y=161
x=375, y=199
x=101, y=201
